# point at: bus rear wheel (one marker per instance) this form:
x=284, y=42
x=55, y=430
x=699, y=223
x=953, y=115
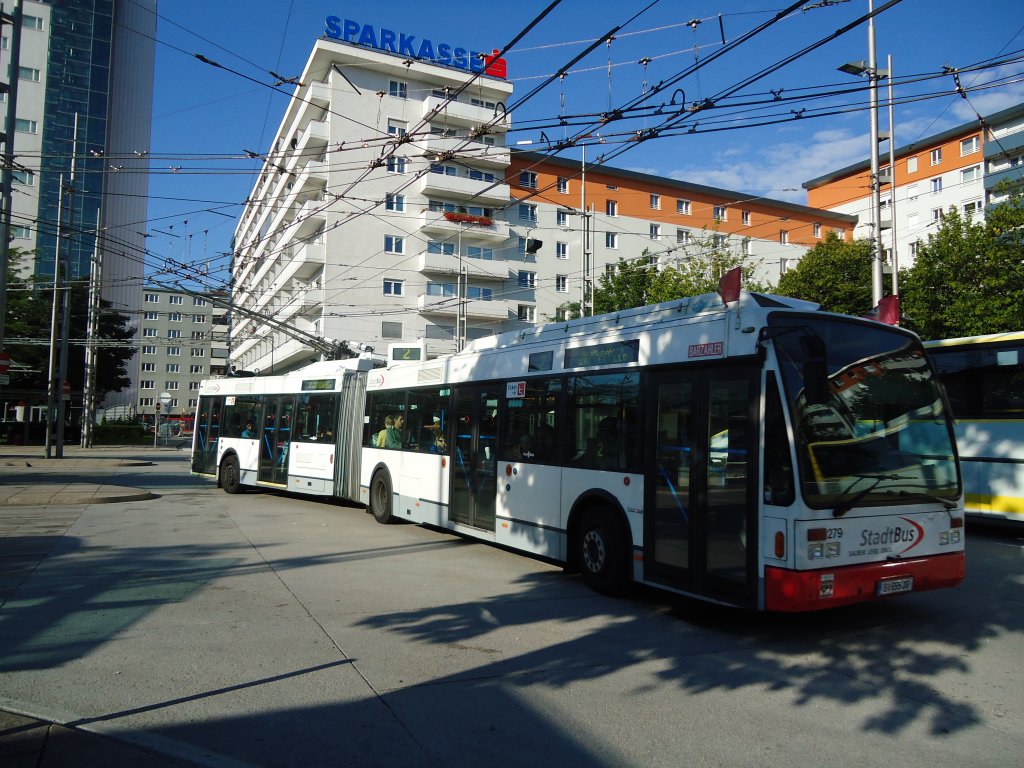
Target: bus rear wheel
x=380, y=497
x=230, y=475
x=600, y=552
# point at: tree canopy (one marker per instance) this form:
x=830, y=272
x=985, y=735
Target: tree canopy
x=29, y=318
x=968, y=278
x=835, y=273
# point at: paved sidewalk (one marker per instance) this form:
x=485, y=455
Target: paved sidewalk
x=82, y=476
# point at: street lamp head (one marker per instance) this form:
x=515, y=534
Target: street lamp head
x=857, y=68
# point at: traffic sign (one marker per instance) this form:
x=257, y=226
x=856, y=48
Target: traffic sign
x=157, y=406
x=5, y=362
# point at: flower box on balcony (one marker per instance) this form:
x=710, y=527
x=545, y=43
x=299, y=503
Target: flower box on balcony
x=468, y=218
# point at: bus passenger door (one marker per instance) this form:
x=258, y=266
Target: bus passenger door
x=275, y=439
x=474, y=484
x=701, y=469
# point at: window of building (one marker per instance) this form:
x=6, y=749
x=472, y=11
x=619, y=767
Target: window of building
x=912, y=192
x=198, y=335
x=561, y=219
x=719, y=241
x=611, y=208
x=198, y=352
x=563, y=185
x=912, y=164
x=745, y=216
x=20, y=231
x=148, y=368
x=683, y=236
x=174, y=317
x=972, y=208
x=394, y=287
x=442, y=169
x=937, y=214
x=969, y=146
x=437, y=246
x=198, y=318
x=146, y=402
x=683, y=207
x=783, y=236
x=197, y=369
x=935, y=156
x=29, y=73
x=31, y=22
x=149, y=333
x=150, y=315
x=655, y=231
x=393, y=202
x=389, y=329
x=398, y=88
x=785, y=265
x=720, y=213
x=394, y=244
x=611, y=240
x=174, y=333
x=561, y=250
x=25, y=178
x=478, y=293
x=175, y=300
x=561, y=283
x=198, y=302
x=396, y=164
x=527, y=313
x=174, y=351
x=970, y=174
x=528, y=179
x=173, y=368
x=397, y=128
x=936, y=184
x=147, y=384
x=527, y=279
x=478, y=175
x=656, y=202
x=816, y=229
x=747, y=246
x=26, y=126
x=479, y=252
x=441, y=289
x=148, y=349
x=440, y=332
x=527, y=212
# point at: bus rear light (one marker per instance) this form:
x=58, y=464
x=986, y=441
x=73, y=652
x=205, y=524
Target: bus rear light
x=780, y=544
x=956, y=522
x=817, y=534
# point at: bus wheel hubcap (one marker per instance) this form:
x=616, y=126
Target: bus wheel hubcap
x=593, y=551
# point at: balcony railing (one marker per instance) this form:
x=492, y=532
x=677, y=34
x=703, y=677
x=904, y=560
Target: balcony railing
x=472, y=152
x=449, y=264
x=448, y=306
x=435, y=222
x=466, y=115
x=463, y=188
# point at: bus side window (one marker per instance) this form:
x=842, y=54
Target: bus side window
x=779, y=488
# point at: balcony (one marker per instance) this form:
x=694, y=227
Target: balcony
x=434, y=222
x=458, y=113
x=463, y=188
x=448, y=264
x=473, y=152
x=311, y=217
x=1010, y=176
x=318, y=94
x=314, y=175
x=448, y=306
x=313, y=140
x=1007, y=145
x=306, y=262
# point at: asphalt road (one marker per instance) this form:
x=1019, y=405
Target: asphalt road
x=263, y=629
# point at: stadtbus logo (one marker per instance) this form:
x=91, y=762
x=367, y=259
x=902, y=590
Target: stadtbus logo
x=910, y=534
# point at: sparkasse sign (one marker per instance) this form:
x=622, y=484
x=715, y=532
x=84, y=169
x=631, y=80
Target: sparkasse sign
x=424, y=49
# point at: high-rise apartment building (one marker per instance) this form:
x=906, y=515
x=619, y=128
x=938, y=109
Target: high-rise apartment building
x=965, y=167
x=84, y=93
x=390, y=209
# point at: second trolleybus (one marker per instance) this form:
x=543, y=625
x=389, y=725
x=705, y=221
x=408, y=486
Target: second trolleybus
x=759, y=453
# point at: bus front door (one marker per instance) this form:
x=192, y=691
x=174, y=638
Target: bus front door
x=700, y=501
x=275, y=439
x=474, y=484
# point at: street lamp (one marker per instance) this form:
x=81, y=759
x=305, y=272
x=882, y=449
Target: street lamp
x=870, y=69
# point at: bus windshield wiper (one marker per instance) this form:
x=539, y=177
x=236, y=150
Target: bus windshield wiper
x=850, y=503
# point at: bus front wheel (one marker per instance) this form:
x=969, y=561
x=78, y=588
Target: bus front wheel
x=380, y=497
x=600, y=554
x=230, y=475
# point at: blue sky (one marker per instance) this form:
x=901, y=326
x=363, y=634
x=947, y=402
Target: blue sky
x=206, y=117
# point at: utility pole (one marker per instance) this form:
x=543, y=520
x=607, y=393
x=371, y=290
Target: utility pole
x=876, y=182
x=7, y=171
x=91, y=340
x=53, y=386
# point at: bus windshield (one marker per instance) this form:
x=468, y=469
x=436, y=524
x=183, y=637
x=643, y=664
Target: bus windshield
x=867, y=413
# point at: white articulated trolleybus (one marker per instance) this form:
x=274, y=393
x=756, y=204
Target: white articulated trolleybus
x=758, y=453
x=984, y=379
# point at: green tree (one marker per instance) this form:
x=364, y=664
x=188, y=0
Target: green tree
x=968, y=279
x=638, y=283
x=29, y=314
x=835, y=273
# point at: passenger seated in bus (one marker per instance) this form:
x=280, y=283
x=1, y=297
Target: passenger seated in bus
x=250, y=430
x=380, y=441
x=393, y=434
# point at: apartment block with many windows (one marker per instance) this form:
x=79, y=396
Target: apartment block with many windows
x=961, y=168
x=183, y=340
